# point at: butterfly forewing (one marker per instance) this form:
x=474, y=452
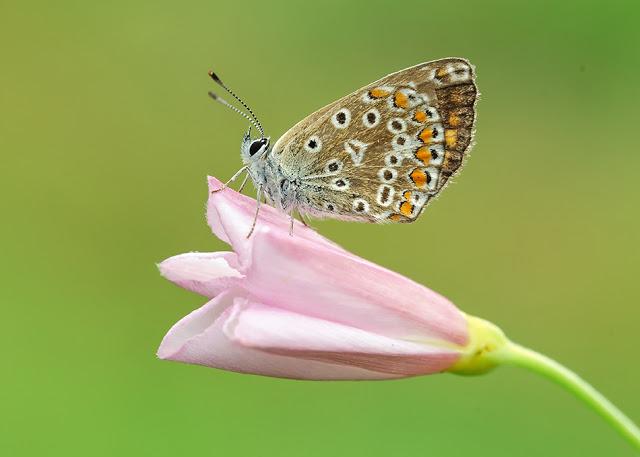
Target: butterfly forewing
x=383, y=152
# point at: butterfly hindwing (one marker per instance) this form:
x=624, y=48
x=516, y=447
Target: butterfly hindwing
x=383, y=152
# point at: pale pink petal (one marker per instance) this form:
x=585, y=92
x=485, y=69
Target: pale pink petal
x=281, y=332
x=199, y=339
x=205, y=273
x=231, y=215
x=302, y=276
x=301, y=307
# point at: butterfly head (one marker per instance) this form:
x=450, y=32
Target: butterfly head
x=254, y=149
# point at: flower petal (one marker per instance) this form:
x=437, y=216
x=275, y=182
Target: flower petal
x=205, y=273
x=231, y=215
x=281, y=332
x=199, y=339
x=296, y=274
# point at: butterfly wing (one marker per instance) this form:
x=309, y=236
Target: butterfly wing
x=385, y=151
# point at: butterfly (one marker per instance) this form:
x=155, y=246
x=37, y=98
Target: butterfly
x=379, y=154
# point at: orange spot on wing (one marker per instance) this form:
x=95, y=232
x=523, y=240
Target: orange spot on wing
x=406, y=194
x=419, y=178
x=378, y=92
x=395, y=217
x=420, y=116
x=401, y=100
x=454, y=121
x=406, y=209
x=426, y=135
x=442, y=72
x=423, y=154
x=451, y=137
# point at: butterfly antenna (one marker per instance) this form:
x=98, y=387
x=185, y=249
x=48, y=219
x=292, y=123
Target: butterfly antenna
x=218, y=81
x=222, y=101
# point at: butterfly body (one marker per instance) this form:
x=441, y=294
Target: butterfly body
x=380, y=154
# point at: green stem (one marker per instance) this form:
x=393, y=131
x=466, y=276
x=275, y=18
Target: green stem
x=488, y=347
x=514, y=354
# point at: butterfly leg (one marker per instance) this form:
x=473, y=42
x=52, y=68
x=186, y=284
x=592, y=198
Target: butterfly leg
x=300, y=217
x=255, y=219
x=233, y=178
x=244, y=181
x=303, y=220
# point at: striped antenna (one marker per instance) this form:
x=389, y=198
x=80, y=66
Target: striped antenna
x=222, y=101
x=218, y=81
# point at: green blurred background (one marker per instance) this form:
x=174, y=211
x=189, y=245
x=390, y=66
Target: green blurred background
x=107, y=134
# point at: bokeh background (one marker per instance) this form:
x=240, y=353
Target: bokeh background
x=106, y=136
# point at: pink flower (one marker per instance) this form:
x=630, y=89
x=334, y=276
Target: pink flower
x=302, y=307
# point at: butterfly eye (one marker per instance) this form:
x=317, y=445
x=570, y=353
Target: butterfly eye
x=257, y=146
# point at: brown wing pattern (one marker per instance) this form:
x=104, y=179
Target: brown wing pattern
x=383, y=152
